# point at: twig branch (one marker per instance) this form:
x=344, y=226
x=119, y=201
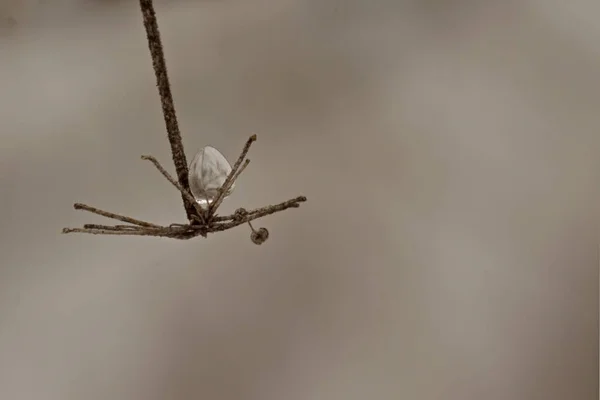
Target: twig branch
x=94, y=210
x=166, y=99
x=201, y=222
x=126, y=232
x=225, y=188
x=115, y=227
x=189, y=231
x=232, y=176
x=185, y=193
x=255, y=214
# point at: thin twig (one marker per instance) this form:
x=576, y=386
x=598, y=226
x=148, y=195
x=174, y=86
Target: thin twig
x=115, y=227
x=141, y=232
x=258, y=213
x=225, y=188
x=166, y=99
x=79, y=206
x=187, y=231
x=230, y=178
x=185, y=193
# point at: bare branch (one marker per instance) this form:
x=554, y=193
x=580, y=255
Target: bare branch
x=166, y=99
x=215, y=204
x=185, y=193
x=230, y=178
x=130, y=232
x=114, y=228
x=255, y=214
x=189, y=231
x=85, y=207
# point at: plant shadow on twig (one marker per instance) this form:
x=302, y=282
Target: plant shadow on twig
x=201, y=221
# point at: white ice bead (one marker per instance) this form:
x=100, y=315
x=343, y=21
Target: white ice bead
x=208, y=171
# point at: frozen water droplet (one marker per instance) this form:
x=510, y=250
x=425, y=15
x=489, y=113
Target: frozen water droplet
x=208, y=171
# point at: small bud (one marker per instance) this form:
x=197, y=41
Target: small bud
x=208, y=171
x=260, y=236
x=239, y=214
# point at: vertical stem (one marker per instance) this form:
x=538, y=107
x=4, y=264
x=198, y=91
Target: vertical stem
x=166, y=99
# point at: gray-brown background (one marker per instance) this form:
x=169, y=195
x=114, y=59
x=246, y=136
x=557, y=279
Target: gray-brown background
x=449, y=151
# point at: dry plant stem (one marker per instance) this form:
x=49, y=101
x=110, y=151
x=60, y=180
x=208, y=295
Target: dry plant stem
x=141, y=232
x=187, y=231
x=183, y=232
x=185, y=193
x=261, y=212
x=166, y=99
x=79, y=206
x=255, y=214
x=215, y=205
x=230, y=178
x=116, y=227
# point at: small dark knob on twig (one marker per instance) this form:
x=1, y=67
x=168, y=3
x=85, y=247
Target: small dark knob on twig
x=240, y=214
x=260, y=236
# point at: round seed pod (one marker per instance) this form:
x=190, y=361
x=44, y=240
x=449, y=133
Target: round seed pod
x=260, y=236
x=239, y=214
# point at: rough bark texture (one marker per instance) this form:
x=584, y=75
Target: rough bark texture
x=166, y=99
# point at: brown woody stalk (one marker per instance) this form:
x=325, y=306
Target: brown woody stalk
x=232, y=175
x=166, y=98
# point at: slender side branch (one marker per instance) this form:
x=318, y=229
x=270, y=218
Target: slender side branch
x=258, y=213
x=188, y=231
x=130, y=232
x=185, y=193
x=183, y=232
x=225, y=188
x=230, y=178
x=79, y=206
x=113, y=228
x=166, y=99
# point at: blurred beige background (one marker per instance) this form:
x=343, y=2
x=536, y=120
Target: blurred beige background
x=450, y=151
